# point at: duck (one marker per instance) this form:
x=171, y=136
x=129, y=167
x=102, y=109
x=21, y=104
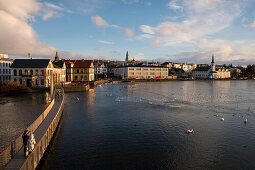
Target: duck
x=245, y=121
x=190, y=131
x=222, y=119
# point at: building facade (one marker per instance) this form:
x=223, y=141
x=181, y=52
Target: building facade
x=211, y=72
x=5, y=70
x=80, y=70
x=100, y=69
x=141, y=72
x=36, y=73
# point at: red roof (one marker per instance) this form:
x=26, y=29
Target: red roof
x=80, y=63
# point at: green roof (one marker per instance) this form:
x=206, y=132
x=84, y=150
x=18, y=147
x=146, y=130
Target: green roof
x=202, y=68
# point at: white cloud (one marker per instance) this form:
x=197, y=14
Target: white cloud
x=99, y=21
x=147, y=29
x=105, y=42
x=14, y=41
x=173, y=5
x=129, y=2
x=157, y=42
x=144, y=36
x=129, y=32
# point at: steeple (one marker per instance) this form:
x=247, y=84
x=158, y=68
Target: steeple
x=127, y=57
x=213, y=59
x=56, y=56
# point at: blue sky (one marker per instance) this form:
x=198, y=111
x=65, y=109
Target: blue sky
x=164, y=30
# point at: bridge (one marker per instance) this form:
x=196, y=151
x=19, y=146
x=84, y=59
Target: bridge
x=43, y=128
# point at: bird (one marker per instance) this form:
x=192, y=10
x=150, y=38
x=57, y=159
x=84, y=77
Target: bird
x=222, y=119
x=245, y=121
x=190, y=131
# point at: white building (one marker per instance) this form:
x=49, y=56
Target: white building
x=211, y=72
x=36, y=72
x=100, y=69
x=5, y=71
x=141, y=72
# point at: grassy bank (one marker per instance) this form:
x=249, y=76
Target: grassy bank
x=12, y=87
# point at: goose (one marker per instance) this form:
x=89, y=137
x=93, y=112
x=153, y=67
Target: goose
x=190, y=131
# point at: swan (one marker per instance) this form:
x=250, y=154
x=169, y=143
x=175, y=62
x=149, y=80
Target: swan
x=190, y=131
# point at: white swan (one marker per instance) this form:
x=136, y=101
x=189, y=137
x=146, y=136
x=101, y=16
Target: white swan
x=190, y=131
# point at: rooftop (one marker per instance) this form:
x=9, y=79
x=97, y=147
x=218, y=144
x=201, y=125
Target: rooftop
x=30, y=63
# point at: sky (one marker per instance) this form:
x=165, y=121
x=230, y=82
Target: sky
x=155, y=30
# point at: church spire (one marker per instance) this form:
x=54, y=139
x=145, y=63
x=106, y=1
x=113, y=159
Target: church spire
x=213, y=58
x=127, y=57
x=56, y=56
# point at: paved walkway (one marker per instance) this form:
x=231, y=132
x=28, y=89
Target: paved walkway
x=19, y=158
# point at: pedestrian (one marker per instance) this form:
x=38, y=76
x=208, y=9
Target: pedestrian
x=31, y=142
x=25, y=138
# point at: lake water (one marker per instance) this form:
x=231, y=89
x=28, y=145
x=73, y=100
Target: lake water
x=17, y=113
x=142, y=126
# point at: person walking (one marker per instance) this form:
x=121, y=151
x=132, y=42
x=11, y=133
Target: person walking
x=31, y=142
x=25, y=138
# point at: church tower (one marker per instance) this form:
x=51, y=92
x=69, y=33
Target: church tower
x=213, y=70
x=212, y=63
x=56, y=57
x=127, y=57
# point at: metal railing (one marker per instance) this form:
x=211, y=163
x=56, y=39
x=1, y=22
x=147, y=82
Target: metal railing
x=7, y=154
x=35, y=156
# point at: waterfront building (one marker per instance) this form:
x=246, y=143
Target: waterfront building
x=141, y=72
x=5, y=71
x=100, y=69
x=61, y=65
x=211, y=72
x=80, y=70
x=36, y=72
x=184, y=66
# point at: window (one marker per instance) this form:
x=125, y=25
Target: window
x=36, y=72
x=81, y=77
x=3, y=71
x=77, y=70
x=26, y=72
x=42, y=72
x=31, y=72
x=20, y=72
x=42, y=82
x=75, y=77
x=36, y=82
x=131, y=69
x=48, y=72
x=0, y=71
x=15, y=72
